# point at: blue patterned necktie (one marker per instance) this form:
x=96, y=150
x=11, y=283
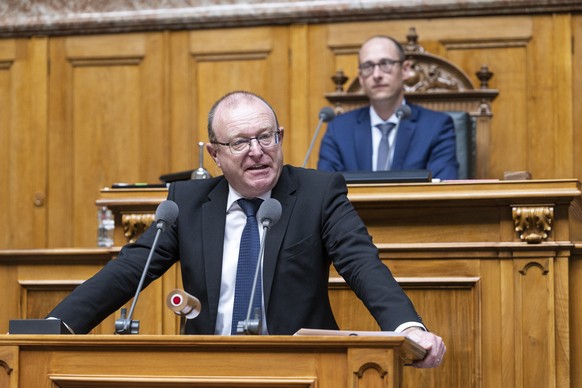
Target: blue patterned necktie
x=383, y=162
x=247, y=263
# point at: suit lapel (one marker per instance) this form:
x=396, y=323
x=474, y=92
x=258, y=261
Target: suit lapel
x=363, y=141
x=213, y=223
x=403, y=139
x=284, y=193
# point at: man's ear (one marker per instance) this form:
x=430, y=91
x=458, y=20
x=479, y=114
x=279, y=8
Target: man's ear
x=213, y=153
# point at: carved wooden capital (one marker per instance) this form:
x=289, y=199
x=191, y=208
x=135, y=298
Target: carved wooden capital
x=533, y=223
x=135, y=224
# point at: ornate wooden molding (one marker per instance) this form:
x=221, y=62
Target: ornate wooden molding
x=533, y=223
x=6, y=367
x=359, y=374
x=49, y=17
x=134, y=224
x=542, y=266
x=5, y=65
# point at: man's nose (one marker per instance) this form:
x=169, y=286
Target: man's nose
x=255, y=147
x=377, y=73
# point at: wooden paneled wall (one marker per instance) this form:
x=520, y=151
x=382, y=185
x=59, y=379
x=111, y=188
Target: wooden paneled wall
x=78, y=113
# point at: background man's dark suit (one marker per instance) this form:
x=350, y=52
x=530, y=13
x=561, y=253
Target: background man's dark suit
x=426, y=140
x=318, y=226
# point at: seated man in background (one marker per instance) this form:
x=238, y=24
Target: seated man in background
x=245, y=142
x=367, y=139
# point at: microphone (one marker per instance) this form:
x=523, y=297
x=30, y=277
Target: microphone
x=166, y=215
x=269, y=212
x=268, y=215
x=184, y=305
x=403, y=112
x=326, y=114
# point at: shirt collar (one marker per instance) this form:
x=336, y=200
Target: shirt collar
x=234, y=196
x=375, y=119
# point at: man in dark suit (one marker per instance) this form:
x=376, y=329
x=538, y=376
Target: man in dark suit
x=318, y=227
x=354, y=141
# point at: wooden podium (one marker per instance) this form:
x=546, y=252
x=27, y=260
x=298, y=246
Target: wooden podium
x=204, y=361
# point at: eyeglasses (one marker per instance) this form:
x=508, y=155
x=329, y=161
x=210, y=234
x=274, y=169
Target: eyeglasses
x=386, y=65
x=238, y=145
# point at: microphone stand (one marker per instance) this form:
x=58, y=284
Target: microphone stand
x=253, y=326
x=200, y=172
x=125, y=325
x=321, y=118
x=183, y=320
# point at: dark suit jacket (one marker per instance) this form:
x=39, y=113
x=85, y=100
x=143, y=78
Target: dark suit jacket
x=318, y=226
x=425, y=140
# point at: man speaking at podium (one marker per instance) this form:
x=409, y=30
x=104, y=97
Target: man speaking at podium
x=318, y=226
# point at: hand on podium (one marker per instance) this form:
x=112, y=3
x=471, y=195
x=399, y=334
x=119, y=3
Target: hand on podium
x=434, y=345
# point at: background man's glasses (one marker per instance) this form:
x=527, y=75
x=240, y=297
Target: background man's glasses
x=238, y=145
x=386, y=65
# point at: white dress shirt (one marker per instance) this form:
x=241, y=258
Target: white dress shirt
x=235, y=223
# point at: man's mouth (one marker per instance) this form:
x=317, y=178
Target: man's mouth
x=257, y=167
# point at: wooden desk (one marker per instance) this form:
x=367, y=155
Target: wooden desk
x=204, y=361
x=455, y=211
x=505, y=301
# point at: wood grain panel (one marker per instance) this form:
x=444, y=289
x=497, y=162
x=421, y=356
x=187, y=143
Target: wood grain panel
x=23, y=141
x=575, y=316
x=107, y=125
x=534, y=322
x=37, y=298
x=577, y=94
x=550, y=71
x=506, y=58
x=449, y=307
x=38, y=280
x=7, y=56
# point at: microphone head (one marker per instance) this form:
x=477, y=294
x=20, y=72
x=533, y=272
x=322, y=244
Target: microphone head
x=166, y=214
x=403, y=112
x=326, y=114
x=269, y=213
x=183, y=304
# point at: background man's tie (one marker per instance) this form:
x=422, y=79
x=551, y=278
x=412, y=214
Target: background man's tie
x=383, y=161
x=247, y=263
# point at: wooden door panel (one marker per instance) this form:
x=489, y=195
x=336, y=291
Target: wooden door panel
x=22, y=142
x=107, y=123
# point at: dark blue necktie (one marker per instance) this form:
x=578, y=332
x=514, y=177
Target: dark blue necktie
x=247, y=263
x=383, y=161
